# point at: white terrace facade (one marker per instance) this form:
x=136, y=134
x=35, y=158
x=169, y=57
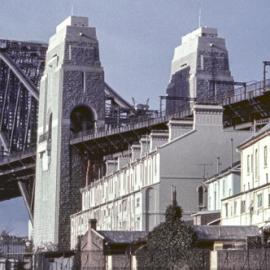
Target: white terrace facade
x=137, y=187
x=222, y=185
x=252, y=205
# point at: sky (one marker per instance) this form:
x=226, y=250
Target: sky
x=137, y=39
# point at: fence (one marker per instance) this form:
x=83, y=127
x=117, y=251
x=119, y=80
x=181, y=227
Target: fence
x=199, y=259
x=14, y=264
x=250, y=259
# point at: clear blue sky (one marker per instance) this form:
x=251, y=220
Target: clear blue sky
x=137, y=39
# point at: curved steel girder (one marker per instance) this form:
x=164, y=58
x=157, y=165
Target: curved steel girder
x=22, y=78
x=3, y=141
x=117, y=98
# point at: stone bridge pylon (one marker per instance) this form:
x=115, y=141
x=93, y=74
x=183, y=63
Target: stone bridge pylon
x=72, y=99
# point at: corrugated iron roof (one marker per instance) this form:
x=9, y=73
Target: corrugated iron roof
x=216, y=232
x=122, y=237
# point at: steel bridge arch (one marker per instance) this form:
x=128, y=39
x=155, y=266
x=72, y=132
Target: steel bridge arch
x=22, y=78
x=28, y=86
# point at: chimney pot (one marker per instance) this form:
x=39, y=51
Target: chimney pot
x=92, y=224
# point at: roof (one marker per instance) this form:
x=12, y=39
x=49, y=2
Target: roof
x=123, y=237
x=216, y=232
x=206, y=212
x=203, y=232
x=265, y=128
x=258, y=134
x=234, y=169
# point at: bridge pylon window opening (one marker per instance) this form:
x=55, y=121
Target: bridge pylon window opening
x=82, y=118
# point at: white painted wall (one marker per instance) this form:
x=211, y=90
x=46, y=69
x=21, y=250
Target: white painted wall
x=220, y=188
x=255, y=187
x=152, y=178
x=252, y=177
x=256, y=212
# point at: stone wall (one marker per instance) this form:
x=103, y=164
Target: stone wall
x=73, y=79
x=178, y=87
x=200, y=69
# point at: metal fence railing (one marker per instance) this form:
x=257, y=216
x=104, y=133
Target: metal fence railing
x=130, y=125
x=12, y=264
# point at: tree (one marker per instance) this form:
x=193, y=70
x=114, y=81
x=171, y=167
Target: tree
x=170, y=245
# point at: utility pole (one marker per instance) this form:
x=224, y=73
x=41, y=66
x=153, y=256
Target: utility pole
x=232, y=148
x=265, y=64
x=218, y=164
x=204, y=165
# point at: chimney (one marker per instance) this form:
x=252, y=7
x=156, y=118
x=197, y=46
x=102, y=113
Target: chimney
x=123, y=161
x=178, y=128
x=207, y=116
x=92, y=224
x=111, y=166
x=157, y=138
x=135, y=152
x=144, y=141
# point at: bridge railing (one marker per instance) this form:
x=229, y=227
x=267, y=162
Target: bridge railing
x=132, y=124
x=252, y=90
x=243, y=93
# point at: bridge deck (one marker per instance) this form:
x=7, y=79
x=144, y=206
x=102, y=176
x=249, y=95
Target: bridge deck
x=113, y=140
x=239, y=111
x=15, y=168
x=255, y=107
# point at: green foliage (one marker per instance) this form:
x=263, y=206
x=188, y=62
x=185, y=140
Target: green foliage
x=170, y=245
x=173, y=213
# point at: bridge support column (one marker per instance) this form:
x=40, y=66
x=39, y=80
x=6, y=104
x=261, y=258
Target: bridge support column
x=26, y=198
x=72, y=100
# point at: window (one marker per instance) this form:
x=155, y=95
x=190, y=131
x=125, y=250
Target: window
x=50, y=128
x=200, y=195
x=235, y=208
x=243, y=207
x=202, y=62
x=138, y=223
x=82, y=118
x=155, y=164
x=83, y=81
x=248, y=164
x=252, y=163
x=226, y=209
x=269, y=199
x=45, y=161
x=265, y=156
x=135, y=175
x=146, y=174
x=259, y=200
x=124, y=205
x=138, y=202
x=256, y=164
x=215, y=200
x=224, y=188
